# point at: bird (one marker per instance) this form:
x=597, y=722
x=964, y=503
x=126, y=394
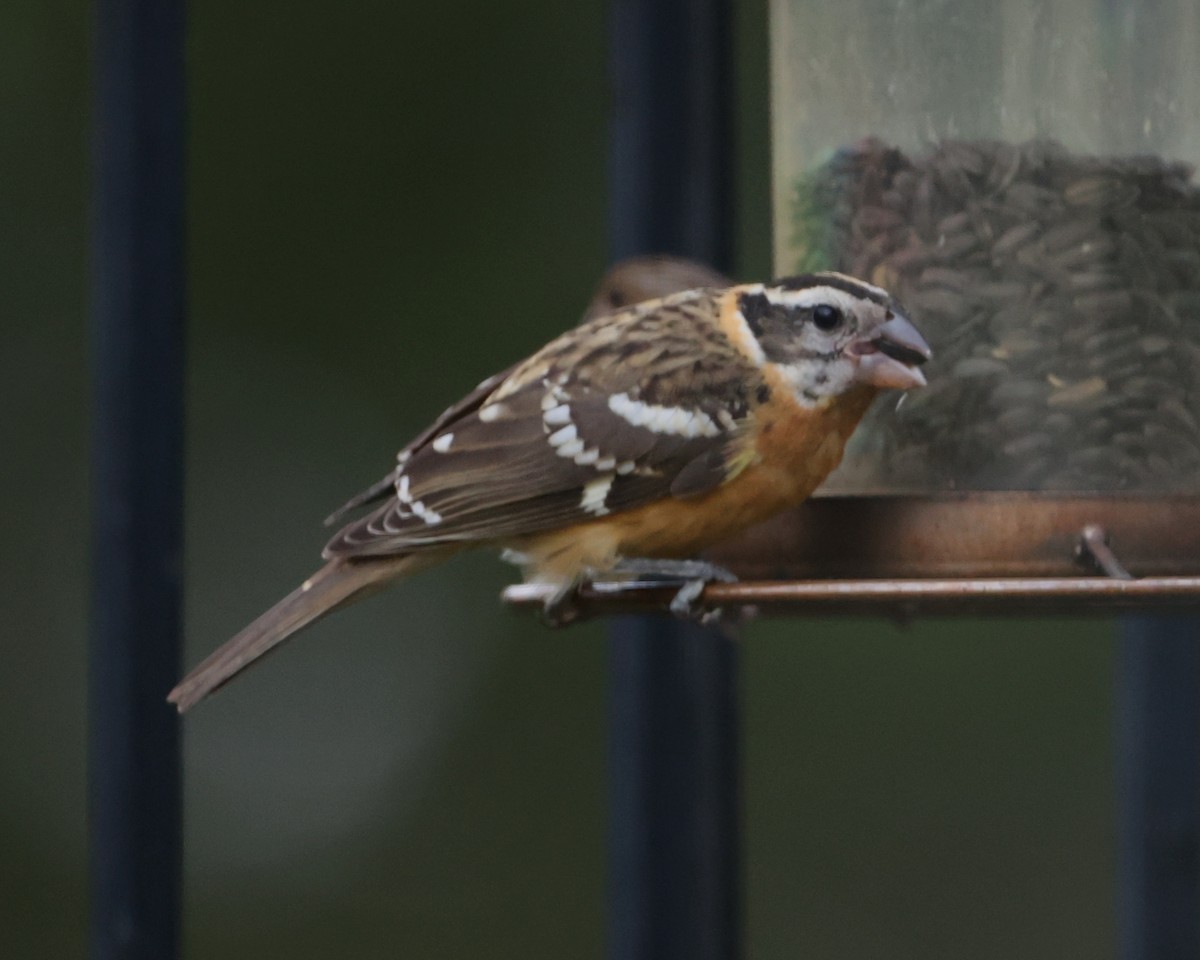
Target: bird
x=633, y=441
x=649, y=277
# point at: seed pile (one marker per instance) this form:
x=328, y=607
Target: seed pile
x=1061, y=295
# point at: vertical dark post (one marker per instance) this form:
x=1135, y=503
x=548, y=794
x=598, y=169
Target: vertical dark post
x=671, y=154
x=674, y=830
x=137, y=340
x=1158, y=789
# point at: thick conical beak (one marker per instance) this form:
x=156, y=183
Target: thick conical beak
x=890, y=359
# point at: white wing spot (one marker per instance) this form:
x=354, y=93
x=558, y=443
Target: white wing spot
x=594, y=495
x=557, y=416
x=657, y=419
x=626, y=466
x=587, y=457
x=442, y=443
x=564, y=436
x=572, y=448
x=493, y=411
x=427, y=514
x=555, y=394
x=403, y=456
x=402, y=489
x=516, y=557
x=606, y=463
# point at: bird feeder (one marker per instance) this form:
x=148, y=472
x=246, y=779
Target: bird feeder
x=1021, y=177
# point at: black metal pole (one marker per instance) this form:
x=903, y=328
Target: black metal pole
x=137, y=339
x=674, y=830
x=1158, y=788
x=675, y=833
x=671, y=153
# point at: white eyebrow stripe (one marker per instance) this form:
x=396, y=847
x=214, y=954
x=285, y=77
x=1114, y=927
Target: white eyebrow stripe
x=878, y=291
x=811, y=296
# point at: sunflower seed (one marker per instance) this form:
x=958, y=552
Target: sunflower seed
x=979, y=367
x=1014, y=238
x=1063, y=295
x=1100, y=192
x=1077, y=393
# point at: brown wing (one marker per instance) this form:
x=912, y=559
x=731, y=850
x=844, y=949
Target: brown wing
x=646, y=404
x=384, y=488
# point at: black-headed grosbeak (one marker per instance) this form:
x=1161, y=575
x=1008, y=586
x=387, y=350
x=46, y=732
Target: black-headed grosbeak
x=652, y=432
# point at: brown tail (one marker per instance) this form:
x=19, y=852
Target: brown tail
x=335, y=584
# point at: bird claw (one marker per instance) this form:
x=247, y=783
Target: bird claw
x=692, y=576
x=685, y=604
x=562, y=608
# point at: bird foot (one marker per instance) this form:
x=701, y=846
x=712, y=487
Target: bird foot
x=629, y=575
x=561, y=609
x=691, y=575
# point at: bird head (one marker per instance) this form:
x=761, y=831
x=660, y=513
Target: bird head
x=829, y=333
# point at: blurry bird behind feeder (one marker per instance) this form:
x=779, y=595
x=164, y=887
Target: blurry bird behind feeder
x=647, y=278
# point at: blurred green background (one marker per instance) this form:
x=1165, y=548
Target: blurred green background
x=388, y=202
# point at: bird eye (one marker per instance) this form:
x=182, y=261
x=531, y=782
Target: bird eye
x=826, y=317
